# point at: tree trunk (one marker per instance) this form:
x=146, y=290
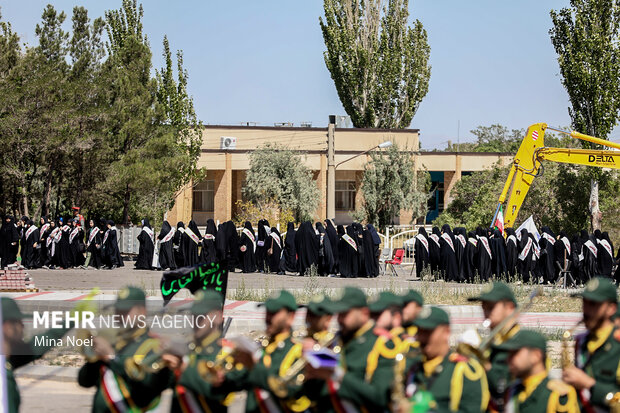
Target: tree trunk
x=126, y=206
x=47, y=196
x=595, y=213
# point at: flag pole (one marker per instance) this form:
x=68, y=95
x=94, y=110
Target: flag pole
x=499, y=204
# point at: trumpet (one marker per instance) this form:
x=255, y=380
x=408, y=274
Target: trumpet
x=295, y=373
x=567, y=360
x=149, y=358
x=481, y=351
x=209, y=370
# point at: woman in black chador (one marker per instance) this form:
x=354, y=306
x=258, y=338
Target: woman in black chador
x=274, y=250
x=93, y=246
x=307, y=246
x=166, y=254
x=111, y=254
x=289, y=255
x=147, y=247
x=347, y=251
x=191, y=239
x=208, y=253
x=247, y=247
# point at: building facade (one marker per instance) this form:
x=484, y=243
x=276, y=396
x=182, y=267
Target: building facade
x=225, y=158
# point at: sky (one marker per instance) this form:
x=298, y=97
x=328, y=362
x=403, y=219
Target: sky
x=262, y=61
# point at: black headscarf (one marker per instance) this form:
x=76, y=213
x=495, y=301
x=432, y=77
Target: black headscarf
x=180, y=224
x=145, y=223
x=211, y=229
x=192, y=225
x=373, y=233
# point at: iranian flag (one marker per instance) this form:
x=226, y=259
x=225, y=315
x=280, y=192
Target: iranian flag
x=499, y=221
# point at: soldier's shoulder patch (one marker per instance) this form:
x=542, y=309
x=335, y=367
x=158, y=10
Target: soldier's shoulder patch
x=457, y=358
x=559, y=387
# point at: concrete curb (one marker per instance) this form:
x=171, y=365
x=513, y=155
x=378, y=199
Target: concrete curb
x=55, y=373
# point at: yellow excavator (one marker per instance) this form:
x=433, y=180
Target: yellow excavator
x=527, y=164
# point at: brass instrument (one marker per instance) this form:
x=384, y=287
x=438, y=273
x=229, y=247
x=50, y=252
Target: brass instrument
x=209, y=370
x=567, y=360
x=148, y=359
x=481, y=351
x=399, y=397
x=295, y=373
x=613, y=401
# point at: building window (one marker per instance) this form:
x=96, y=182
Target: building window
x=345, y=195
x=204, y=195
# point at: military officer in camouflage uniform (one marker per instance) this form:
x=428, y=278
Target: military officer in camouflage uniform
x=121, y=384
x=18, y=352
x=533, y=391
x=443, y=380
x=595, y=374
x=498, y=303
x=201, y=383
x=362, y=380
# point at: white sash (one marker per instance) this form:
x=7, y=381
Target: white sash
x=249, y=234
x=150, y=233
x=526, y=249
x=566, y=243
x=512, y=238
x=73, y=234
x=191, y=234
x=549, y=238
x=474, y=241
x=43, y=229
x=276, y=238
x=52, y=236
x=267, y=229
x=65, y=228
x=181, y=230
x=536, y=251
x=350, y=241
x=447, y=238
x=435, y=238
x=485, y=242
x=607, y=247
x=461, y=238
x=169, y=235
x=105, y=237
x=93, y=233
x=29, y=231
x=423, y=240
x=209, y=236
x=591, y=247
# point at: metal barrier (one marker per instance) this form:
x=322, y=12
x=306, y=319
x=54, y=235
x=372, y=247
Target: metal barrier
x=406, y=240
x=128, y=239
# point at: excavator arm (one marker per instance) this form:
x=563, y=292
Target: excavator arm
x=527, y=165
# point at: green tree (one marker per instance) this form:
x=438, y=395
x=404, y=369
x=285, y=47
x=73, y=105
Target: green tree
x=586, y=39
x=379, y=64
x=279, y=175
x=390, y=184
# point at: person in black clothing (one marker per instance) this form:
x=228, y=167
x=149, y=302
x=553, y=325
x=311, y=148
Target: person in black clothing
x=435, y=250
x=485, y=256
x=498, y=250
x=191, y=239
x=93, y=246
x=289, y=255
x=449, y=267
x=590, y=252
x=30, y=243
x=261, y=248
x=512, y=253
x=605, y=257
x=9, y=238
x=111, y=254
x=208, y=252
x=247, y=245
x=347, y=249
x=421, y=251
x=63, y=257
x=147, y=247
x=307, y=247
x=274, y=250
x=376, y=243
x=166, y=251
x=178, y=245
x=326, y=257
x=333, y=241
x=470, y=257
x=76, y=243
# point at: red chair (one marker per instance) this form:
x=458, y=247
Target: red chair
x=397, y=259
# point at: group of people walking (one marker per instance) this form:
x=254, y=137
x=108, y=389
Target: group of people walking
x=62, y=243
x=461, y=256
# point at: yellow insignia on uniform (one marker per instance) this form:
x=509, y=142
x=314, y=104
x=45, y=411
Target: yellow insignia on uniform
x=123, y=293
x=592, y=284
x=558, y=386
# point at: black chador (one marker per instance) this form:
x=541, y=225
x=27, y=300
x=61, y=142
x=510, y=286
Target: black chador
x=111, y=254
x=546, y=263
x=261, y=247
x=376, y=242
x=9, y=239
x=605, y=254
x=526, y=261
x=589, y=252
x=333, y=241
x=191, y=240
x=166, y=254
x=449, y=267
x=227, y=245
x=498, y=250
x=177, y=245
x=485, y=256
x=512, y=253
x=326, y=255
x=361, y=252
x=347, y=250
x=307, y=246
x=147, y=247
x=274, y=250
x=470, y=257
x=289, y=255
x=44, y=232
x=370, y=264
x=576, y=258
x=460, y=241
x=76, y=243
x=208, y=253
x=93, y=245
x=30, y=243
x=247, y=246
x=435, y=249
x=63, y=256
x=421, y=251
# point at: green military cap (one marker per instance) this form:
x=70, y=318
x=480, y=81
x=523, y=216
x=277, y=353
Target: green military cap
x=412, y=296
x=525, y=338
x=350, y=297
x=206, y=301
x=320, y=305
x=495, y=292
x=283, y=299
x=599, y=289
x=129, y=297
x=431, y=317
x=383, y=301
x=10, y=310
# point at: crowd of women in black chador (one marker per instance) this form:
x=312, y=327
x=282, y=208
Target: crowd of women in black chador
x=263, y=249
x=60, y=243
x=461, y=256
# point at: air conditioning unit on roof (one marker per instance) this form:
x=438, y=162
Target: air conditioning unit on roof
x=228, y=142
